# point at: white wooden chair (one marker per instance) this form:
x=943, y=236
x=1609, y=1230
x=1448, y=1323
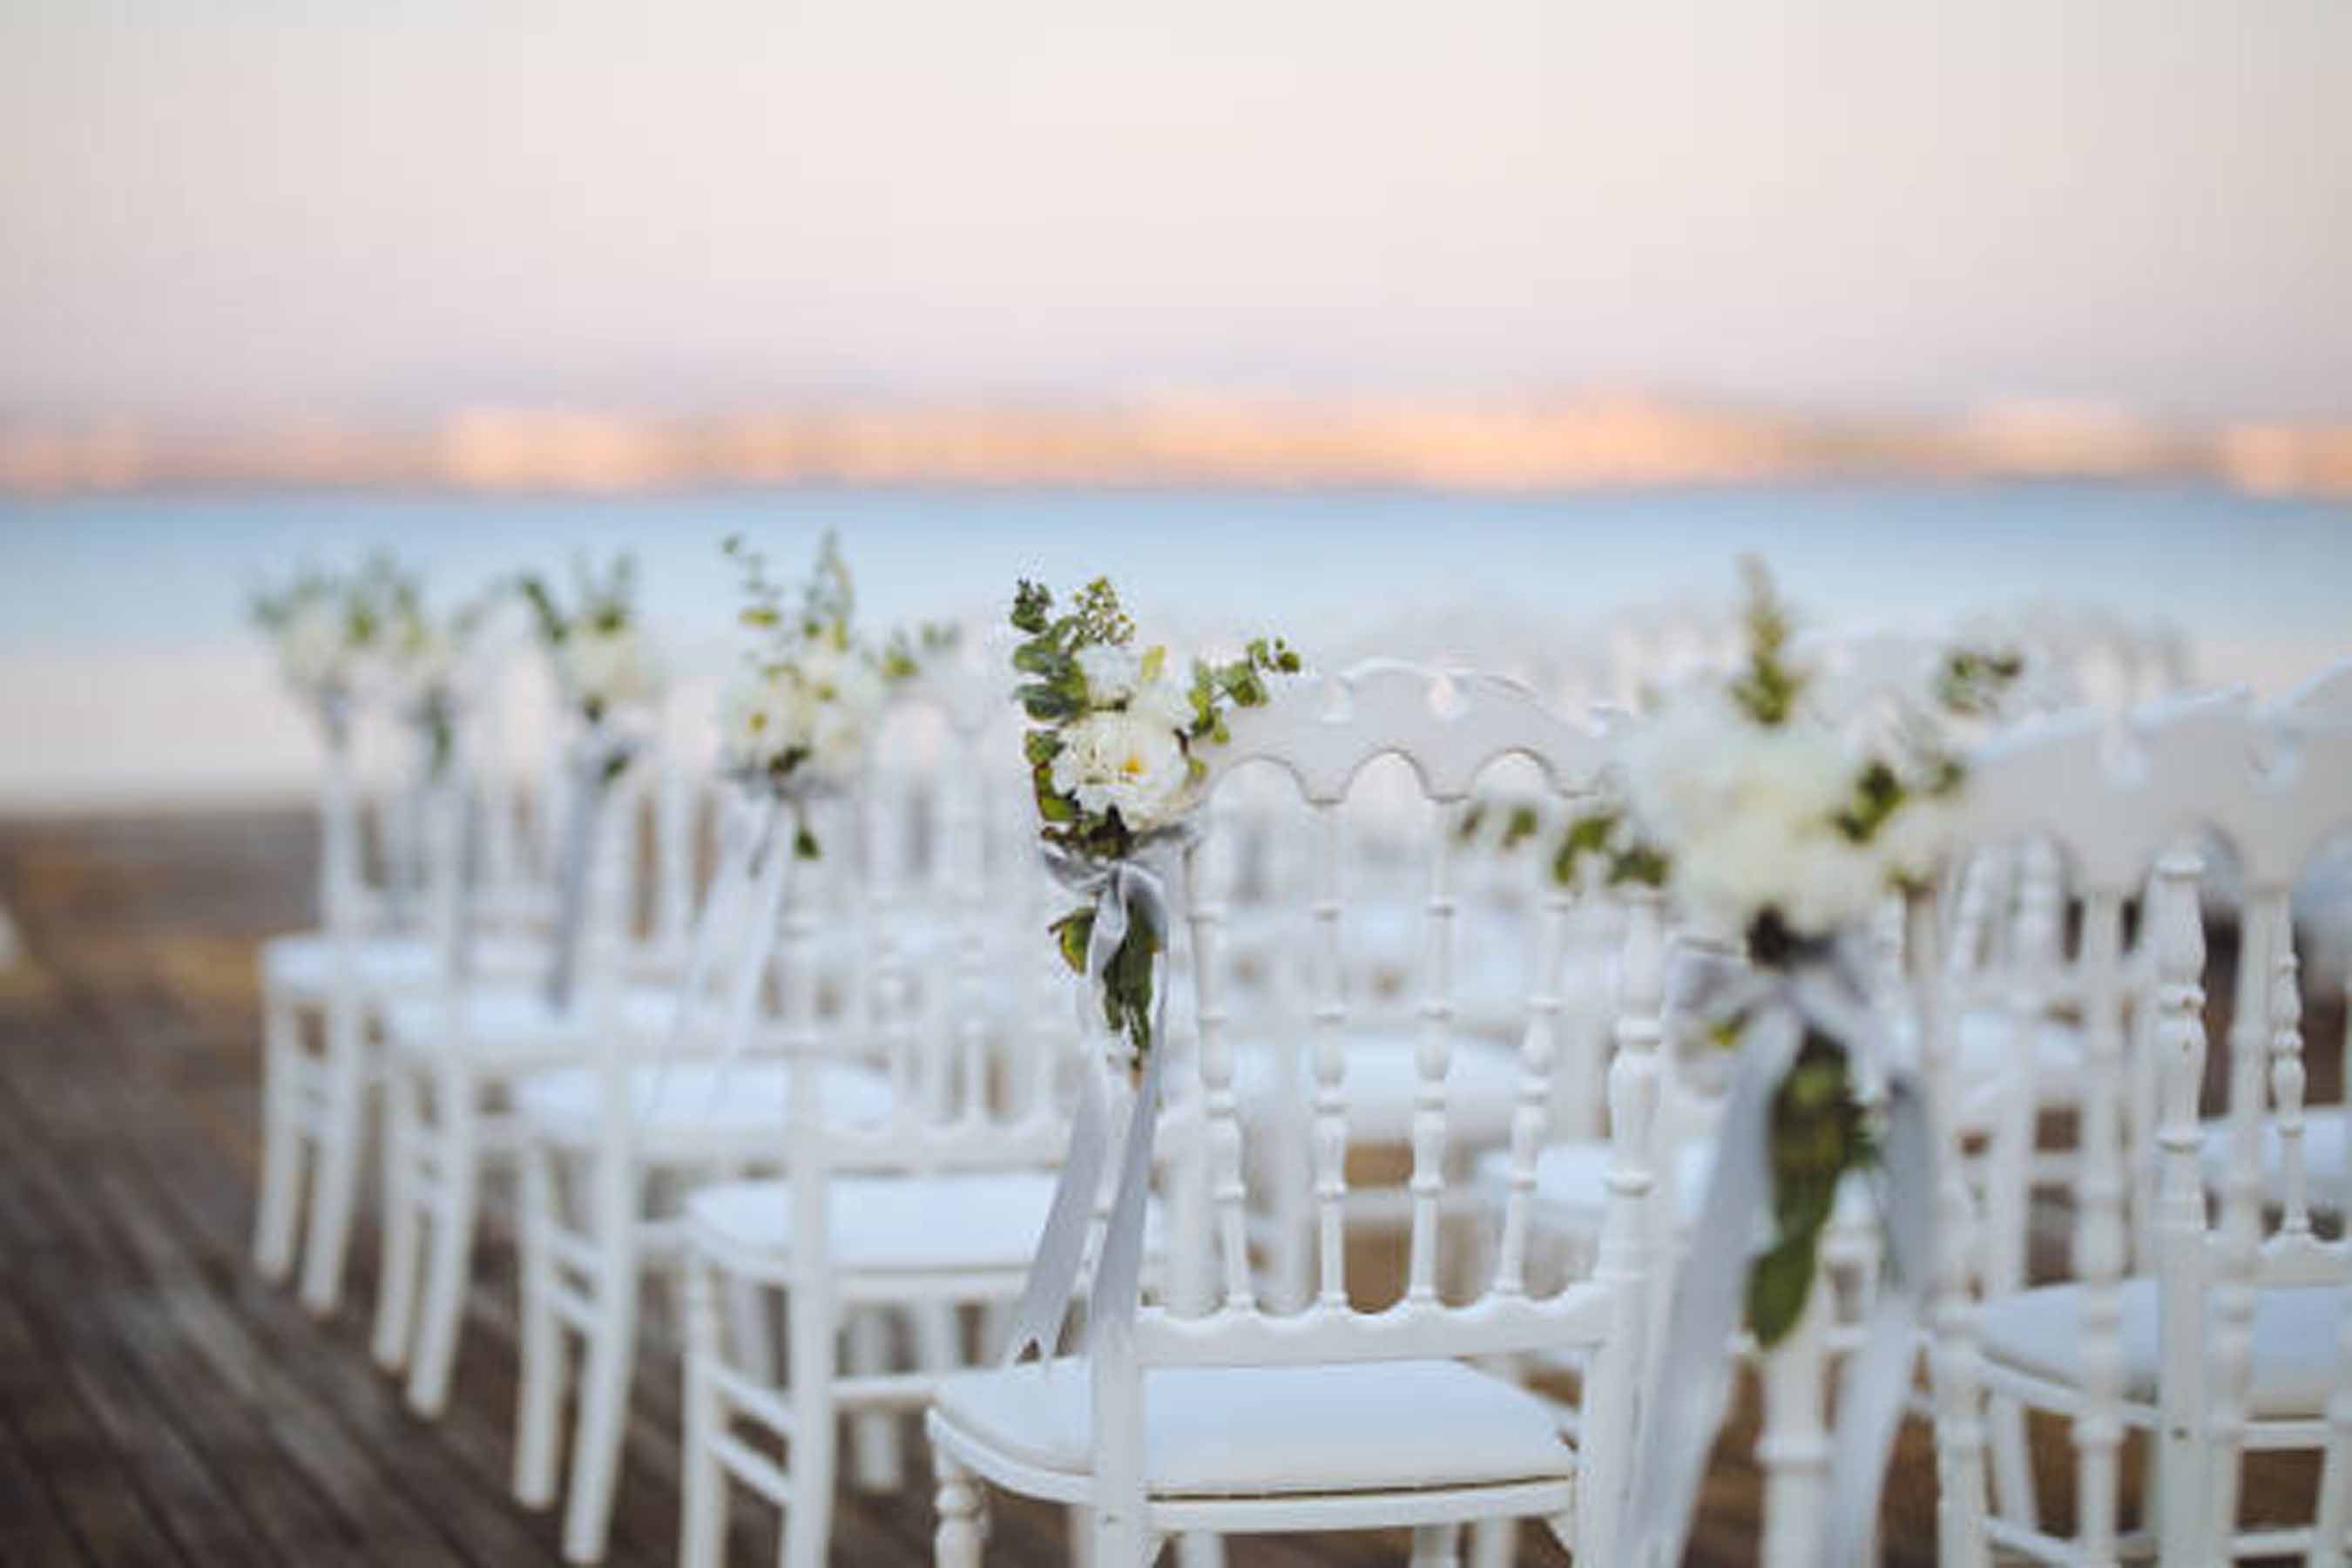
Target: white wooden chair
x=611, y=1149
x=2323, y=909
x=2235, y=1341
x=454, y=1051
x=1226, y=1416
x=908, y=1215
x=322, y=992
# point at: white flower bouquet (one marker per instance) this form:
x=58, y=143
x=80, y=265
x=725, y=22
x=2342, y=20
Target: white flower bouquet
x=1778, y=823
x=1113, y=752
x=602, y=662
x=328, y=627
x=800, y=714
x=607, y=673
x=1773, y=822
x=425, y=661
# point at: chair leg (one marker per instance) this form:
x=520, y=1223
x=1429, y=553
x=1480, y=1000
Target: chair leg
x=1493, y=1543
x=1199, y=1549
x=876, y=1462
x=1081, y=1527
x=539, y=1398
x=808, y=1520
x=963, y=1513
x=341, y=1131
x=396, y=1299
x=448, y=1266
x=1121, y=1542
x=281, y=1139
x=609, y=1356
x=2013, y=1465
x=750, y=1343
x=702, y=1514
x=1437, y=1546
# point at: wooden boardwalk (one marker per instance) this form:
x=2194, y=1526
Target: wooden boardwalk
x=160, y=1405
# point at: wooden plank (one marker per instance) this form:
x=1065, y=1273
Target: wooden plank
x=243, y=1366
x=102, y=1501
x=33, y=1525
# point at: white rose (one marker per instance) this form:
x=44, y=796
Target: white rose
x=846, y=679
x=756, y=720
x=1702, y=762
x=1111, y=672
x=1836, y=883
x=1164, y=702
x=1126, y=762
x=1915, y=840
x=837, y=739
x=609, y=667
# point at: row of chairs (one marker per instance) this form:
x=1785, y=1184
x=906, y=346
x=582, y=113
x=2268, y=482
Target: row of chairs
x=1360, y=980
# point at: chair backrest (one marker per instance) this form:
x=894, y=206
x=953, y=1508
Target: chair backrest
x=923, y=903
x=2120, y=804
x=1329, y=738
x=947, y=913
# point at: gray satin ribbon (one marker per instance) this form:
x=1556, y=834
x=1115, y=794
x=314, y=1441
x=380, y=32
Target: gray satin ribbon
x=1695, y=1368
x=743, y=839
x=429, y=719
x=1121, y=890
x=771, y=860
x=594, y=757
x=340, y=882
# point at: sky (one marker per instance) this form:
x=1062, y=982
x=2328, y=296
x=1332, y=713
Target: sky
x=217, y=209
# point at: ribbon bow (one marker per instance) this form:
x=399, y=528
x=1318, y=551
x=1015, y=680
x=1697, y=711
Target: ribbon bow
x=1125, y=892
x=1774, y=1009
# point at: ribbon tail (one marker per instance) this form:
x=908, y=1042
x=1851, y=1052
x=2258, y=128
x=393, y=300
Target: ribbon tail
x=1118, y=1276
x=1693, y=1367
x=1062, y=1246
x=1870, y=1402
x=743, y=1002
x=736, y=854
x=571, y=893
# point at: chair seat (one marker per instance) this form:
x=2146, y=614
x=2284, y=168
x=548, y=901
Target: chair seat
x=512, y=1020
x=1482, y=1080
x=2323, y=1158
x=304, y=963
x=691, y=1103
x=1571, y=1179
x=1270, y=1431
x=2040, y=1332
x=973, y=1220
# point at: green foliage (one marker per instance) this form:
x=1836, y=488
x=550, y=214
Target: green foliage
x=553, y=626
x=1127, y=980
x=829, y=596
x=1767, y=689
x=1878, y=793
x=1240, y=682
x=605, y=603
x=1072, y=933
x=368, y=600
x=1605, y=833
x=905, y=654
x=1974, y=680
x=1818, y=1135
